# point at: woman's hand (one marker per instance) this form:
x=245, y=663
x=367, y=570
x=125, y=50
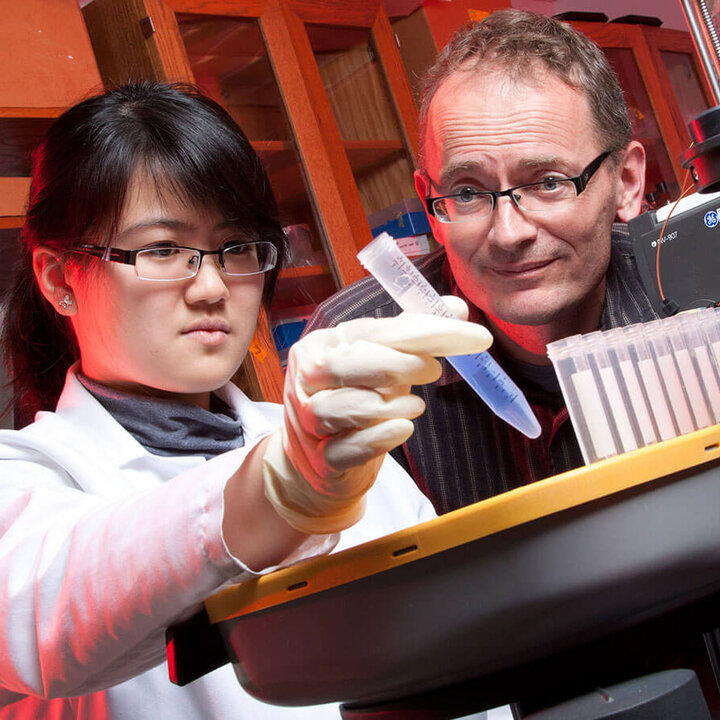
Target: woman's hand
x=347, y=403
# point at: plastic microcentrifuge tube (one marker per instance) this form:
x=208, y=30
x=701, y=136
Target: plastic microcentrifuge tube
x=413, y=293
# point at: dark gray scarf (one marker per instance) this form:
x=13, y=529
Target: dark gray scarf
x=166, y=427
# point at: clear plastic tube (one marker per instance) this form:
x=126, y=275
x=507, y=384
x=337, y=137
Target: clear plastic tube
x=588, y=389
x=688, y=369
x=638, y=400
x=657, y=338
x=702, y=338
x=563, y=354
x=596, y=346
x=651, y=382
x=711, y=330
x=413, y=293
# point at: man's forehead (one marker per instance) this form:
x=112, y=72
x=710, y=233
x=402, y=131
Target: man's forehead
x=499, y=108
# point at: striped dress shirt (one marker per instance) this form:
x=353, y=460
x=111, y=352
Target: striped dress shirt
x=461, y=452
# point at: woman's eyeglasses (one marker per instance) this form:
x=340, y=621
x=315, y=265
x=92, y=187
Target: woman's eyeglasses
x=172, y=262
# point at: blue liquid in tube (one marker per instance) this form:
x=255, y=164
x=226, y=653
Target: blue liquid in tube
x=413, y=293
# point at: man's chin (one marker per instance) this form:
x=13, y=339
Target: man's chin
x=538, y=312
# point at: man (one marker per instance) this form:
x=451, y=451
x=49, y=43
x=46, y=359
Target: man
x=527, y=163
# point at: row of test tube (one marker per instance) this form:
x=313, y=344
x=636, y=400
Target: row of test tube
x=634, y=386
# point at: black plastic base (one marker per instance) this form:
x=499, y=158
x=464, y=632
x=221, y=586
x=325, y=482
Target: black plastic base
x=674, y=641
x=670, y=695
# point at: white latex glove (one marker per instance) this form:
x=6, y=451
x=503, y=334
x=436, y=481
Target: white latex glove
x=347, y=403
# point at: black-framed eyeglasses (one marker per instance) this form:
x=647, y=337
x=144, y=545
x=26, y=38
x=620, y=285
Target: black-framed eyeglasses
x=172, y=262
x=549, y=194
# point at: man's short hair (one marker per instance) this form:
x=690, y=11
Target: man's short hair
x=518, y=42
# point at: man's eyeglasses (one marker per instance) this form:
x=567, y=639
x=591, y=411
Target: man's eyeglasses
x=469, y=205
x=170, y=262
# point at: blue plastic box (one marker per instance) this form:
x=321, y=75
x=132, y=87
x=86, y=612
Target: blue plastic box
x=400, y=220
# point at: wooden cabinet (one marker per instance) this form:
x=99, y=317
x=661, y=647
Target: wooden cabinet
x=425, y=31
x=320, y=90
x=664, y=87
x=47, y=65
x=658, y=71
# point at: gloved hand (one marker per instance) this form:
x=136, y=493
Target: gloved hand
x=347, y=403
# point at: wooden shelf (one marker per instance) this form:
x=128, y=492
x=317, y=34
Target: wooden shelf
x=31, y=112
x=272, y=146
x=13, y=198
x=283, y=167
x=304, y=271
x=361, y=153
x=365, y=155
x=10, y=223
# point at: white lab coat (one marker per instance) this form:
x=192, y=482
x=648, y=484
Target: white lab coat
x=103, y=545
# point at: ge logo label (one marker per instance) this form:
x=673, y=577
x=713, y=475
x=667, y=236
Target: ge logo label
x=711, y=218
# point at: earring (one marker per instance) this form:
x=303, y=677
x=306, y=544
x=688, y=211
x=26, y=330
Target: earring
x=66, y=302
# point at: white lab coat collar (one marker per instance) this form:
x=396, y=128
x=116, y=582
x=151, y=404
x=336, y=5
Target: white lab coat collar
x=106, y=444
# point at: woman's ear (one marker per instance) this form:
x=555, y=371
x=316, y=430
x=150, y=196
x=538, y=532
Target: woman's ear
x=49, y=271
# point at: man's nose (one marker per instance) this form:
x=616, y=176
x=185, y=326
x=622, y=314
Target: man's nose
x=509, y=225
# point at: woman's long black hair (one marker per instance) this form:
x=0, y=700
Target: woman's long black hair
x=81, y=172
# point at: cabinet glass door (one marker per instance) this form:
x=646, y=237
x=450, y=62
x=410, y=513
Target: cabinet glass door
x=660, y=182
x=18, y=138
x=362, y=104
x=230, y=63
x=9, y=251
x=685, y=84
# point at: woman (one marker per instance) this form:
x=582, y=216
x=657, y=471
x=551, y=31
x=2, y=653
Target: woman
x=147, y=481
